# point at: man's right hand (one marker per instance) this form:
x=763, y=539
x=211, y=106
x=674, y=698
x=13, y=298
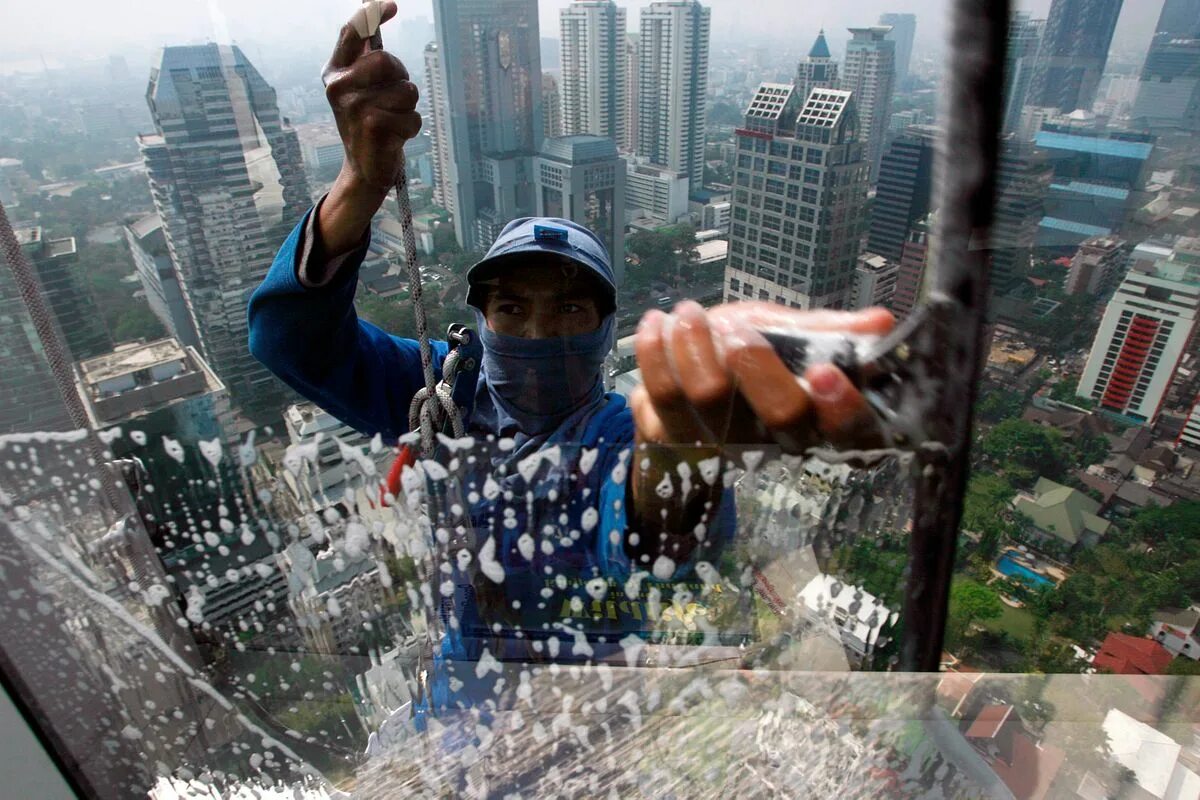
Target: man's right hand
x=374, y=104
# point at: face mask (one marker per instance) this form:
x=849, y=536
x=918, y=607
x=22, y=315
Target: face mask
x=540, y=382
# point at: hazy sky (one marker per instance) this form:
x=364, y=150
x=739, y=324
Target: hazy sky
x=95, y=28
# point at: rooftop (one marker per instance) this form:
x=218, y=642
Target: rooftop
x=824, y=108
x=141, y=228
x=1093, y=145
x=579, y=149
x=1062, y=511
x=1123, y=654
x=131, y=357
x=770, y=101
x=820, y=48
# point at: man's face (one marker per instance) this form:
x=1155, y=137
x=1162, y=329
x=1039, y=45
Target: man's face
x=542, y=301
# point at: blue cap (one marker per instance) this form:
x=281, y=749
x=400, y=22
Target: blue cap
x=532, y=236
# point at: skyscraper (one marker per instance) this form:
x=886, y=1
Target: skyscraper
x=1180, y=19
x=1097, y=265
x=904, y=33
x=29, y=398
x=593, y=69
x=818, y=70
x=910, y=279
x=439, y=134
x=581, y=178
x=209, y=104
x=552, y=120
x=902, y=195
x=1023, y=179
x=56, y=262
x=869, y=73
x=148, y=247
x=1168, y=95
x=673, y=81
x=1024, y=40
x=630, y=55
x=491, y=63
x=1073, y=53
x=1144, y=334
x=800, y=191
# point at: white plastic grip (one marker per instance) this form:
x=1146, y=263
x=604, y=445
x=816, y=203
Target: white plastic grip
x=366, y=19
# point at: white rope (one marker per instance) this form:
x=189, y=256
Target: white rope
x=433, y=403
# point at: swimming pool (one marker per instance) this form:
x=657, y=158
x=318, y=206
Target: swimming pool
x=1015, y=569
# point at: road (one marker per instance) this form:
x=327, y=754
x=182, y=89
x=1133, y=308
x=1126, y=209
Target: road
x=953, y=746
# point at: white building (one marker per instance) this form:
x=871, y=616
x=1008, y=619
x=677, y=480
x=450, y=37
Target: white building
x=629, y=54
x=439, y=132
x=1096, y=266
x=818, y=70
x=1190, y=435
x=1152, y=756
x=552, y=119
x=593, y=70
x=1178, y=630
x=658, y=193
x=870, y=73
x=673, y=82
x=716, y=216
x=1143, y=335
x=852, y=614
x=874, y=281
x=326, y=458
x=148, y=247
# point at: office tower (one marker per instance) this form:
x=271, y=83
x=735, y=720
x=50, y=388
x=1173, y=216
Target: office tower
x=800, y=191
x=1073, y=53
x=64, y=288
x=869, y=73
x=632, y=71
x=1097, y=266
x=874, y=281
x=148, y=246
x=1144, y=335
x=903, y=192
x=438, y=125
x=914, y=258
x=1096, y=173
x=818, y=70
x=1180, y=19
x=655, y=194
x=552, y=120
x=593, y=70
x=673, y=81
x=1023, y=178
x=904, y=32
x=581, y=178
x=1024, y=40
x=491, y=66
x=209, y=106
x=1169, y=88
x=332, y=474
x=29, y=398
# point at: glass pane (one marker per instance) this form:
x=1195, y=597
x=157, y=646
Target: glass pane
x=245, y=577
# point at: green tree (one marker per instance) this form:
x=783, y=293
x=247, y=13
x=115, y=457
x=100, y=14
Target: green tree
x=970, y=602
x=1182, y=665
x=1026, y=448
x=998, y=405
x=138, y=323
x=1154, y=525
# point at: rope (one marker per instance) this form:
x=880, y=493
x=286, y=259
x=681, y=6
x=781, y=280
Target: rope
x=57, y=355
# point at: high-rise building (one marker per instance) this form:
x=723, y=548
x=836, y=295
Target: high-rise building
x=1096, y=267
x=342, y=459
x=818, y=70
x=581, y=178
x=593, y=70
x=1023, y=178
x=148, y=246
x=656, y=194
x=552, y=119
x=1168, y=94
x=910, y=278
x=869, y=73
x=1024, y=41
x=874, y=281
x=800, y=191
x=439, y=131
x=904, y=33
x=56, y=262
x=1144, y=334
x=672, y=84
x=1096, y=174
x=490, y=55
x=629, y=54
x=210, y=106
x=29, y=397
x=1180, y=19
x=903, y=192
x=1073, y=53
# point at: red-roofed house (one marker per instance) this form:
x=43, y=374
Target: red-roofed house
x=989, y=721
x=1031, y=769
x=1131, y=655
